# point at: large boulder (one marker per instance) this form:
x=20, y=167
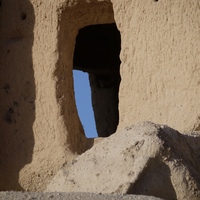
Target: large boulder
x=146, y=159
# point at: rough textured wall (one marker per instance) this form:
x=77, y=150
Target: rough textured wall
x=17, y=90
x=160, y=62
x=39, y=126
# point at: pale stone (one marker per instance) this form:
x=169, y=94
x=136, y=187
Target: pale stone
x=70, y=196
x=144, y=159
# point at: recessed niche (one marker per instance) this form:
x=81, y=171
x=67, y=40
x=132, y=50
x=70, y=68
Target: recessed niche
x=23, y=16
x=97, y=53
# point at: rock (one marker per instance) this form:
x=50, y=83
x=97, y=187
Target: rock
x=145, y=159
x=71, y=196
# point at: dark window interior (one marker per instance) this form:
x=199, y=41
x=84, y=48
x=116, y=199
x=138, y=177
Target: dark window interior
x=97, y=53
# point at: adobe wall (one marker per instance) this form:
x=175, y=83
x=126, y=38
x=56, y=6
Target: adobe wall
x=39, y=126
x=160, y=62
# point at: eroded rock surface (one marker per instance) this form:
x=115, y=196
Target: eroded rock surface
x=146, y=159
x=70, y=196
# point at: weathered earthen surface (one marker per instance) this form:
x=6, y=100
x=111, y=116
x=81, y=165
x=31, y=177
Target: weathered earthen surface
x=160, y=62
x=70, y=196
x=145, y=159
x=39, y=125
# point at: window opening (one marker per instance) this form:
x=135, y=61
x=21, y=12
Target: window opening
x=97, y=53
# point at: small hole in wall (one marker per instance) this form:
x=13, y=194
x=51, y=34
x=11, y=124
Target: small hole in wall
x=97, y=53
x=23, y=16
x=155, y=0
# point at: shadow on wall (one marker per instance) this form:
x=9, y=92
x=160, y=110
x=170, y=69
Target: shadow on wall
x=71, y=20
x=76, y=139
x=17, y=90
x=152, y=181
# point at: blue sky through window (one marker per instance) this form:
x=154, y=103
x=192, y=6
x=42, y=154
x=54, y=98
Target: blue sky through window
x=84, y=103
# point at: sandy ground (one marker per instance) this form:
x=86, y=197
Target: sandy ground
x=70, y=196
